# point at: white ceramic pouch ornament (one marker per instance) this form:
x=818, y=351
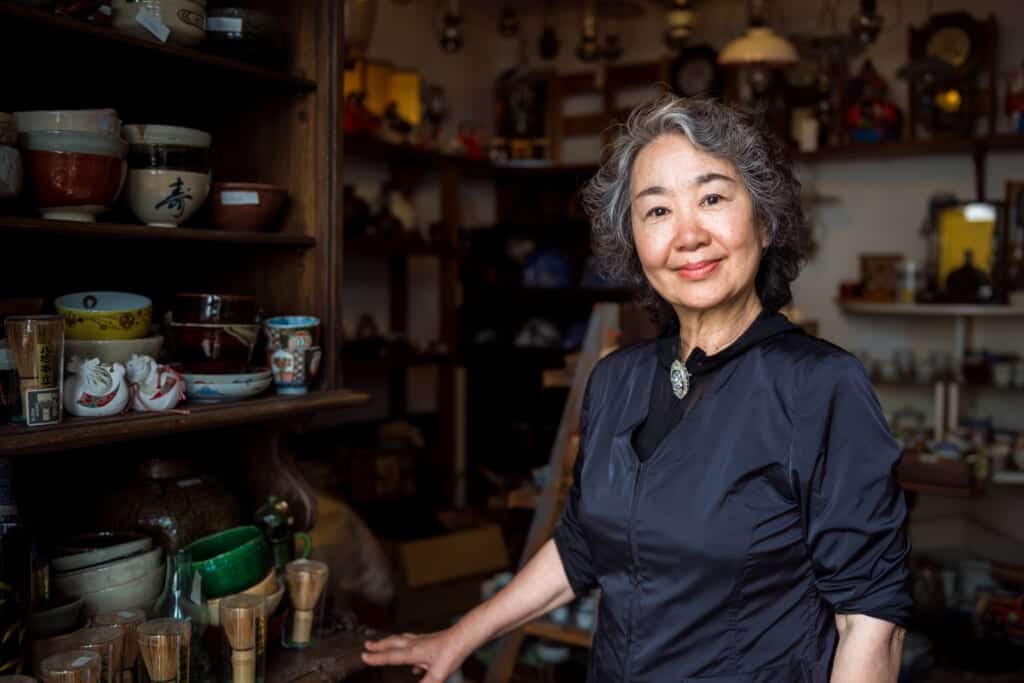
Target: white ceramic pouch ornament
x=154, y=387
x=95, y=389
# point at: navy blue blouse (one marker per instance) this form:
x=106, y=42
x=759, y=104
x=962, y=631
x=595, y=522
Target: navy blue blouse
x=768, y=509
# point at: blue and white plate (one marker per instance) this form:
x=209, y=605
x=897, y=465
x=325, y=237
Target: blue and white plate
x=224, y=388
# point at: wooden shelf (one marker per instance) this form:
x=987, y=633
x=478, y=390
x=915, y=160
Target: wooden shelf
x=78, y=432
x=53, y=27
x=558, y=634
x=913, y=148
x=944, y=310
x=391, y=247
x=40, y=227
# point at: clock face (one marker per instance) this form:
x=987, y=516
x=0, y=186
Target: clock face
x=695, y=72
x=951, y=44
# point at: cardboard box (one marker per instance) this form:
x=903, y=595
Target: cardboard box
x=452, y=556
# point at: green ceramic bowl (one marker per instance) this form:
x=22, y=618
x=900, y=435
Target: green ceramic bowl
x=231, y=561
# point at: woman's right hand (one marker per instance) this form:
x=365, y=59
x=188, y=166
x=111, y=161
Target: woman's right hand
x=438, y=654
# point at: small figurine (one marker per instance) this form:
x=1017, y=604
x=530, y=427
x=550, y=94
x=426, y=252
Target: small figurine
x=153, y=386
x=95, y=389
x=871, y=117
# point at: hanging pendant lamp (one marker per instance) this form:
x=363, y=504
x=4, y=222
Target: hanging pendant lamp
x=759, y=45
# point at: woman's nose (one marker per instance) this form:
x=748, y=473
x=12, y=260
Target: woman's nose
x=689, y=234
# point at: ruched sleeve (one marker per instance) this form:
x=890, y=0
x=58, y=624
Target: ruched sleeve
x=853, y=510
x=568, y=536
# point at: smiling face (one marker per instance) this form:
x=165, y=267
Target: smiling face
x=693, y=226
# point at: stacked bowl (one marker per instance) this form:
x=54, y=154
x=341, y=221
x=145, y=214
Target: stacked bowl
x=110, y=571
x=74, y=161
x=168, y=173
x=213, y=337
x=111, y=326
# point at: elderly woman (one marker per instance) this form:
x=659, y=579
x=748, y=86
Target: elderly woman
x=734, y=496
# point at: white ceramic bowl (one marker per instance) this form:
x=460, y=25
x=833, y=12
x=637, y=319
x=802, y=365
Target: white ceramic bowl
x=99, y=121
x=142, y=593
x=185, y=19
x=114, y=350
x=92, y=549
x=224, y=388
x=153, y=134
x=166, y=198
x=116, y=573
x=55, y=621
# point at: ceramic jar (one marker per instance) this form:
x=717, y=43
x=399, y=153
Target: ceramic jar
x=170, y=499
x=168, y=173
x=181, y=22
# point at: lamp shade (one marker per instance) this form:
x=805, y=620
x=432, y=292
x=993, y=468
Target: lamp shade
x=759, y=45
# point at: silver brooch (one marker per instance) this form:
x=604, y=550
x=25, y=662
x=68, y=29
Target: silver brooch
x=679, y=376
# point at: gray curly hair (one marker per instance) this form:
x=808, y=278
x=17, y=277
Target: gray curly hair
x=727, y=133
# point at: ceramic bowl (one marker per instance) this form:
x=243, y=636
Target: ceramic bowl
x=114, y=350
x=246, y=207
x=73, y=176
x=156, y=134
x=88, y=550
x=226, y=388
x=12, y=172
x=213, y=348
x=99, y=121
x=166, y=198
x=246, y=34
x=231, y=561
x=54, y=620
x=185, y=20
x=142, y=592
x=208, y=613
x=191, y=307
x=105, y=315
x=115, y=573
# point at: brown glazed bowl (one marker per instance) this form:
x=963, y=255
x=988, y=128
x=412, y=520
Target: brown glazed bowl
x=212, y=348
x=195, y=307
x=246, y=207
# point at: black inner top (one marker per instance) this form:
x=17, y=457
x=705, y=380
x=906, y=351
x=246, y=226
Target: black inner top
x=666, y=411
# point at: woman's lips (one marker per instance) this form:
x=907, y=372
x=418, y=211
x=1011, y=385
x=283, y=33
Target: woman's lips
x=697, y=271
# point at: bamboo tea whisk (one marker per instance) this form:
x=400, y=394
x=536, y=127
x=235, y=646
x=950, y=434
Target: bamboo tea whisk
x=306, y=581
x=161, y=642
x=244, y=620
x=128, y=620
x=73, y=666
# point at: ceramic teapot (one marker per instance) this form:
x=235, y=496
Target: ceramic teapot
x=95, y=389
x=154, y=387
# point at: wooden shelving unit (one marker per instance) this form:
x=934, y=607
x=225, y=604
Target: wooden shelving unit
x=77, y=433
x=942, y=310
x=914, y=148
x=24, y=226
x=264, y=124
x=34, y=21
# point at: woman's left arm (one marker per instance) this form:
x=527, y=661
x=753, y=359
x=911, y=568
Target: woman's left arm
x=869, y=650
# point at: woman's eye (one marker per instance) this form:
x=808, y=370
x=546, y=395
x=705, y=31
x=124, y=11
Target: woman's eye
x=657, y=212
x=711, y=199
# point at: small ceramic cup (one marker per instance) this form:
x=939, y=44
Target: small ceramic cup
x=295, y=371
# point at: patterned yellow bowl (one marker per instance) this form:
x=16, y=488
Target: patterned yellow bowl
x=105, y=315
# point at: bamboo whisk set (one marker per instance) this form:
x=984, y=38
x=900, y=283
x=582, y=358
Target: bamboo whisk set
x=306, y=581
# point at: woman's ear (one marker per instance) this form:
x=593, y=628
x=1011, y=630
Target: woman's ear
x=764, y=235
